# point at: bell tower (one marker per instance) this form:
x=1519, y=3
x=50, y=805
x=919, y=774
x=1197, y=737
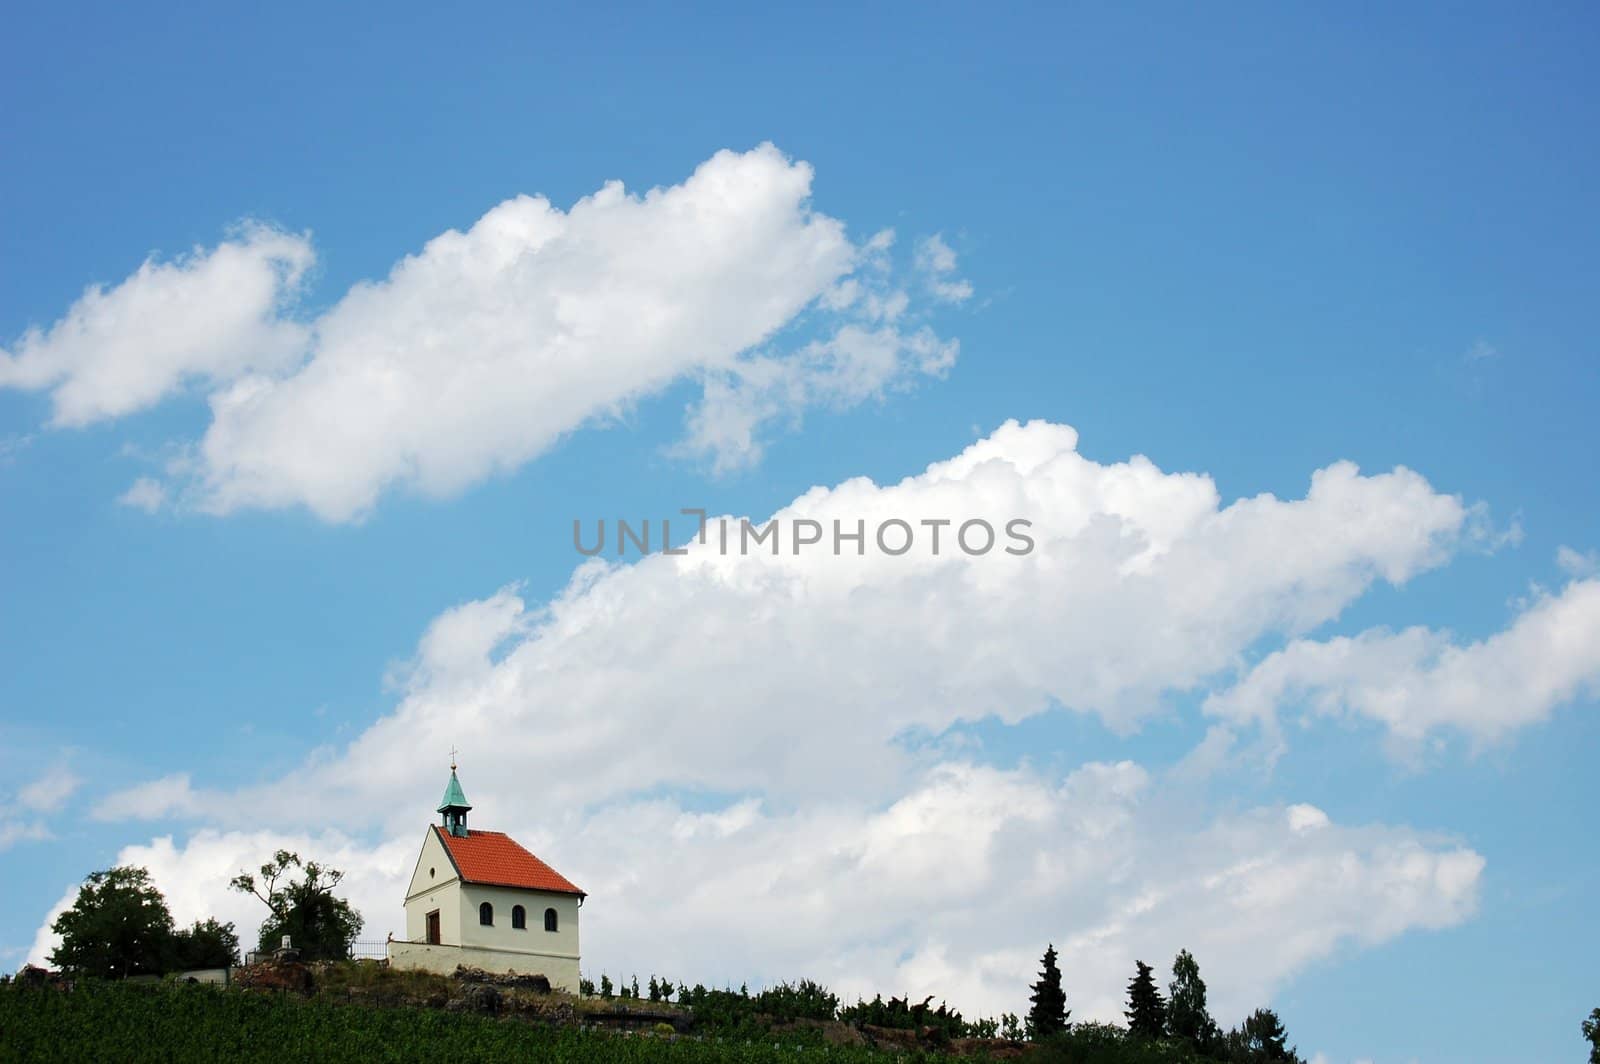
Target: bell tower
x=454, y=804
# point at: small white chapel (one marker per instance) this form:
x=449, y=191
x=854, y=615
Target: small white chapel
x=480, y=899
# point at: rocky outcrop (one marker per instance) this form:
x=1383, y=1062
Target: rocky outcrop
x=478, y=997
x=275, y=975
x=508, y=980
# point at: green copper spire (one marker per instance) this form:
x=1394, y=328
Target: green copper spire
x=453, y=797
x=454, y=805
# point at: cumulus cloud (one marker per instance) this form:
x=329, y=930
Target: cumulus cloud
x=880, y=350
x=951, y=888
x=948, y=889
x=1420, y=681
x=853, y=365
x=691, y=670
x=780, y=687
x=193, y=876
x=209, y=316
x=478, y=352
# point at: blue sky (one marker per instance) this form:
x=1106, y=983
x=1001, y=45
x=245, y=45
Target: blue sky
x=1248, y=245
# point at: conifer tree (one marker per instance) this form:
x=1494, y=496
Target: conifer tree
x=1147, y=1013
x=1049, y=1013
x=1591, y=1031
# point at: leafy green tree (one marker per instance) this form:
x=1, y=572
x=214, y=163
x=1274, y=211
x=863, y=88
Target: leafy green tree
x=1591, y=1031
x=118, y=926
x=1187, y=1017
x=208, y=944
x=1147, y=1013
x=319, y=925
x=606, y=989
x=1049, y=1012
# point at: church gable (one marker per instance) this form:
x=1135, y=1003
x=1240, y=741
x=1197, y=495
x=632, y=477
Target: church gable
x=434, y=867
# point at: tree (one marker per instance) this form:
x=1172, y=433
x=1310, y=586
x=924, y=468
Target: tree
x=1147, y=1013
x=1049, y=1012
x=1261, y=1038
x=1591, y=1031
x=1187, y=1017
x=318, y=924
x=118, y=926
x=208, y=944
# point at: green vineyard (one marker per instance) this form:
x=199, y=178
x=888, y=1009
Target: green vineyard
x=116, y=1022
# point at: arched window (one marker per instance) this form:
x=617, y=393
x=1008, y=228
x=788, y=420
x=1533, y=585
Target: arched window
x=519, y=918
x=486, y=914
x=549, y=919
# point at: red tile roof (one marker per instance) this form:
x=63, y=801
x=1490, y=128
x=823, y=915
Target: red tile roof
x=493, y=858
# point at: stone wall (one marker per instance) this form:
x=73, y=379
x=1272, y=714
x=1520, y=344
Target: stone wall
x=561, y=971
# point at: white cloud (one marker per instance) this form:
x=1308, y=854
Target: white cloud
x=1304, y=818
x=50, y=791
x=194, y=877
x=691, y=671
x=937, y=261
x=165, y=797
x=146, y=493
x=1419, y=680
x=950, y=889
x=15, y=831
x=477, y=353
x=1577, y=563
x=781, y=687
x=849, y=367
x=208, y=316
x=24, y=822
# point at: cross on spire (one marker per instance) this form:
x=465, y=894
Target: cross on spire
x=452, y=759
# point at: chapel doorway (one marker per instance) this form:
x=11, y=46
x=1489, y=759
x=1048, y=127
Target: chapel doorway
x=433, y=928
